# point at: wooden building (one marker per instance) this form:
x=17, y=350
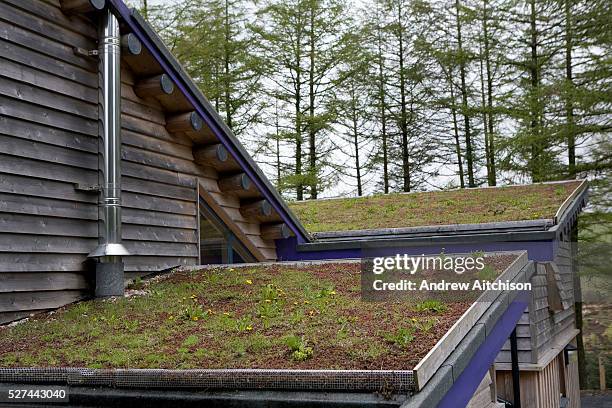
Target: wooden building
x=191, y=194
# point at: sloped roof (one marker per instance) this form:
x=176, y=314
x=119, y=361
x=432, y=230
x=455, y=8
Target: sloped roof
x=172, y=67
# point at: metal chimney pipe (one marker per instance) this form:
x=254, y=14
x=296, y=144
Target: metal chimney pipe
x=109, y=269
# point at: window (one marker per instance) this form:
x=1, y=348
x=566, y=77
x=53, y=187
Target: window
x=218, y=245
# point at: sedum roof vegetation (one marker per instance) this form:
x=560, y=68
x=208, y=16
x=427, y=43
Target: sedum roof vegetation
x=466, y=206
x=268, y=316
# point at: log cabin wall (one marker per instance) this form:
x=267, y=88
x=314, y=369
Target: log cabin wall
x=49, y=144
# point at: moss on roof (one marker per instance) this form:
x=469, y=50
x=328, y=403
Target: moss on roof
x=467, y=206
x=268, y=316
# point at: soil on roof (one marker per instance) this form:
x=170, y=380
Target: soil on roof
x=467, y=206
x=238, y=317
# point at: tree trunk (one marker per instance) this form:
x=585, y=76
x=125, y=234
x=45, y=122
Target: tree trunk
x=485, y=120
x=298, y=115
x=456, y=131
x=383, y=115
x=464, y=102
x=311, y=109
x=226, y=67
x=536, y=148
x=356, y=142
x=403, y=114
x=487, y=54
x=569, y=102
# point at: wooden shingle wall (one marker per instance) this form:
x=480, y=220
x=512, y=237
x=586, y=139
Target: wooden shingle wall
x=548, y=318
x=48, y=142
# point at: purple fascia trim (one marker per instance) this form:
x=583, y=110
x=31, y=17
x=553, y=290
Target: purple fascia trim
x=126, y=15
x=464, y=387
x=286, y=250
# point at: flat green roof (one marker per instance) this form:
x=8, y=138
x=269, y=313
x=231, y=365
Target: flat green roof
x=465, y=206
x=300, y=316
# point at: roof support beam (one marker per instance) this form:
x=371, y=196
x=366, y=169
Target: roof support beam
x=237, y=183
x=213, y=155
x=155, y=86
x=81, y=6
x=275, y=231
x=260, y=208
x=184, y=122
x=130, y=45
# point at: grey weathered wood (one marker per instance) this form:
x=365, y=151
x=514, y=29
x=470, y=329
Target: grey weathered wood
x=213, y=155
x=41, y=262
x=48, y=64
x=160, y=161
x=257, y=209
x=26, y=281
x=44, y=170
x=130, y=45
x=161, y=248
x=34, y=113
x=41, y=97
x=44, y=27
x=13, y=243
x=159, y=234
x=44, y=152
x=143, y=217
x=157, y=145
x=235, y=183
x=81, y=6
x=41, y=79
x=43, y=206
x=275, y=231
x=54, y=13
x=36, y=132
x=6, y=317
x=44, y=225
x=184, y=122
x=28, y=186
x=161, y=204
x=21, y=301
x=136, y=185
x=154, y=86
x=64, y=52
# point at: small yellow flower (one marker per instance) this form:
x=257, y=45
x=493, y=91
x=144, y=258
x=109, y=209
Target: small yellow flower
x=249, y=328
x=226, y=313
x=171, y=317
x=333, y=292
x=249, y=282
x=195, y=318
x=268, y=301
x=295, y=303
x=306, y=302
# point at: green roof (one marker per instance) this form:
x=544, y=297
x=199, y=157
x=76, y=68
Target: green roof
x=253, y=316
x=465, y=206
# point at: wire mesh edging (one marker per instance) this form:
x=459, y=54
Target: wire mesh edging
x=234, y=379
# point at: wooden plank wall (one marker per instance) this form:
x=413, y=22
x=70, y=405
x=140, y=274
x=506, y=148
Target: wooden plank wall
x=159, y=187
x=48, y=142
x=539, y=326
x=539, y=389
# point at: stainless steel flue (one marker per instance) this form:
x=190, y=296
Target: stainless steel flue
x=109, y=271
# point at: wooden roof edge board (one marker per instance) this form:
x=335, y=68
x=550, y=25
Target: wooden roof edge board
x=172, y=67
x=541, y=224
x=570, y=199
x=433, y=360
